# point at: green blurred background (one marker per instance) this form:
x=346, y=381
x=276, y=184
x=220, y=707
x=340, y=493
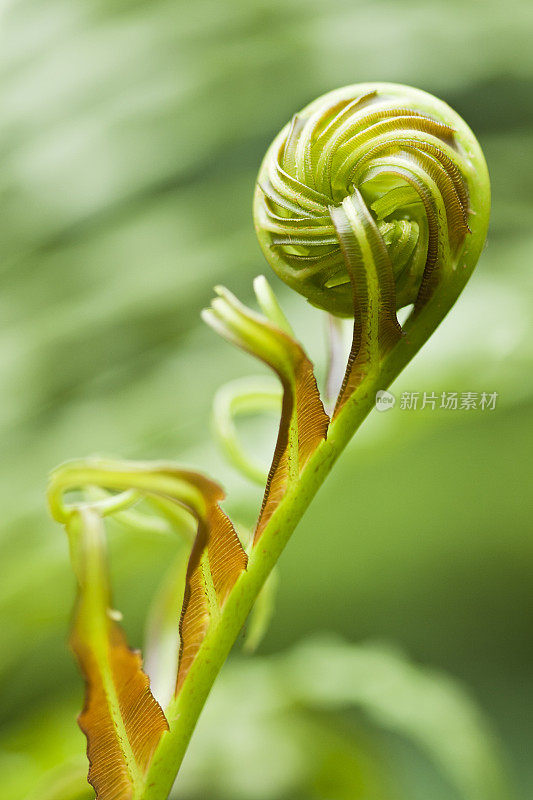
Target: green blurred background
x=130, y=137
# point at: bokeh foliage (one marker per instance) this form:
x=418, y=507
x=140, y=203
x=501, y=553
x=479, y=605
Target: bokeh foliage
x=130, y=137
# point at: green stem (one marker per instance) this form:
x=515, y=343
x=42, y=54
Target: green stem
x=183, y=711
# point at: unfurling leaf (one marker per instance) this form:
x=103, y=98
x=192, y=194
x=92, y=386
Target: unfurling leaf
x=304, y=422
x=217, y=557
x=251, y=395
x=121, y=719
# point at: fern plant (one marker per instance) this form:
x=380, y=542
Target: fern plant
x=372, y=199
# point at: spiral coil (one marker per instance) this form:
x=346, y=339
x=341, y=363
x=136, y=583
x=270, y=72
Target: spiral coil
x=385, y=159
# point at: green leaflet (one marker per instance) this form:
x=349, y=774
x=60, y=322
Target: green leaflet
x=241, y=397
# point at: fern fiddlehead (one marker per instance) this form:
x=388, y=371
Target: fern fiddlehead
x=373, y=198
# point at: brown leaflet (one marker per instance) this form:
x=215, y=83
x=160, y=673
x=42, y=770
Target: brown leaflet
x=121, y=719
x=300, y=395
x=217, y=559
x=304, y=422
x=143, y=719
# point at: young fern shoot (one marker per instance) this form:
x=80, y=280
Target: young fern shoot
x=373, y=198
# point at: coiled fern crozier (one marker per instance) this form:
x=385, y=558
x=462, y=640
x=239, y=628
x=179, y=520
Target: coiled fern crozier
x=373, y=198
